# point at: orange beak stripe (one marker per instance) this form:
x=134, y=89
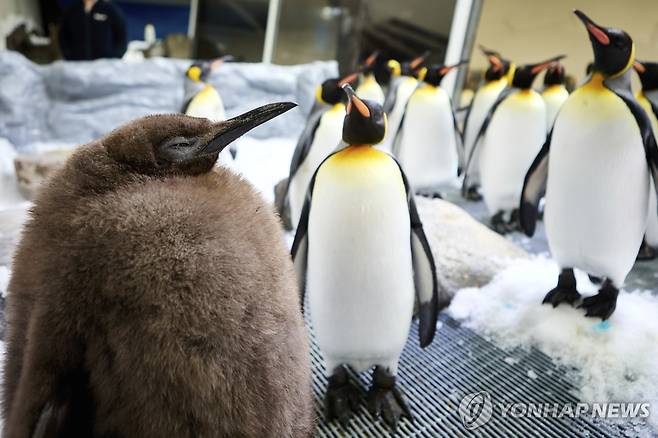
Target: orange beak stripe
x=597, y=33
x=360, y=106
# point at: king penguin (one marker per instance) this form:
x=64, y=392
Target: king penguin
x=153, y=296
x=203, y=100
x=321, y=137
x=403, y=83
x=509, y=138
x=648, y=99
x=554, y=92
x=361, y=254
x=369, y=88
x=497, y=77
x=429, y=139
x=594, y=168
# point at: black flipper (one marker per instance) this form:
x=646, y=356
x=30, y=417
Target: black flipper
x=425, y=277
x=643, y=122
x=391, y=96
x=459, y=135
x=534, y=187
x=483, y=129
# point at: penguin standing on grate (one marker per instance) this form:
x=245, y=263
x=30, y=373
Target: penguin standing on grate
x=361, y=254
x=153, y=296
x=595, y=170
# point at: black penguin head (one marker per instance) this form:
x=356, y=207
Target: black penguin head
x=614, y=50
x=554, y=75
x=648, y=73
x=179, y=144
x=365, y=121
x=498, y=66
x=525, y=75
x=436, y=73
x=368, y=66
x=330, y=91
x=200, y=70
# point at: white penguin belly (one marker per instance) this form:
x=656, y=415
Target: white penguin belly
x=515, y=135
x=652, y=219
x=428, y=146
x=554, y=97
x=327, y=137
x=371, y=90
x=402, y=95
x=482, y=102
x=359, y=274
x=598, y=184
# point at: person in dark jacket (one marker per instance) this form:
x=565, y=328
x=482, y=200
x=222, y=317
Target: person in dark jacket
x=92, y=29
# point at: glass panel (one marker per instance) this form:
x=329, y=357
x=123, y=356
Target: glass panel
x=235, y=27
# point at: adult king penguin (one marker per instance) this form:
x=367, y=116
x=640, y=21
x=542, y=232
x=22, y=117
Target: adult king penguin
x=403, y=83
x=648, y=98
x=361, y=254
x=555, y=92
x=496, y=78
x=594, y=168
x=202, y=99
x=369, y=88
x=321, y=137
x=510, y=136
x=429, y=139
x=153, y=296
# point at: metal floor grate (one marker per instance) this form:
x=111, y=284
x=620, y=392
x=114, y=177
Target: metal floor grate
x=460, y=362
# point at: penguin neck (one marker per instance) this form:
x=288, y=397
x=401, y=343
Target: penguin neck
x=595, y=81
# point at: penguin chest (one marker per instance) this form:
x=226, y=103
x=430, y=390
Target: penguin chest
x=598, y=183
x=325, y=140
x=428, y=148
x=482, y=102
x=554, y=96
x=403, y=92
x=370, y=90
x=359, y=273
x=515, y=135
x=208, y=104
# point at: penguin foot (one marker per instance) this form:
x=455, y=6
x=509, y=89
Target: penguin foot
x=498, y=223
x=646, y=252
x=472, y=194
x=603, y=304
x=341, y=398
x=594, y=279
x=565, y=291
x=385, y=400
x=514, y=224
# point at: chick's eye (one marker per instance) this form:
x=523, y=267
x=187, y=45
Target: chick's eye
x=178, y=143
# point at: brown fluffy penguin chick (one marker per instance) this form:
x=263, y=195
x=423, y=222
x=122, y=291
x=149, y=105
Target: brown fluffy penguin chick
x=153, y=297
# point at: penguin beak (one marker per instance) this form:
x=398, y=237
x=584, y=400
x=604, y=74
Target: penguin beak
x=418, y=61
x=598, y=33
x=371, y=59
x=229, y=130
x=536, y=68
x=639, y=67
x=348, y=79
x=448, y=68
x=488, y=52
x=218, y=62
x=354, y=101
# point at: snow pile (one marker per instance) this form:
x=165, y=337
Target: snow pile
x=615, y=360
x=5, y=273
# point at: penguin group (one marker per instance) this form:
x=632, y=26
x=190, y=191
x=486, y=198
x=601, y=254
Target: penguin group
x=153, y=295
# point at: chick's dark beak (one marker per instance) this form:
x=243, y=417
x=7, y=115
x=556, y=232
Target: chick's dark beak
x=229, y=130
x=594, y=29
